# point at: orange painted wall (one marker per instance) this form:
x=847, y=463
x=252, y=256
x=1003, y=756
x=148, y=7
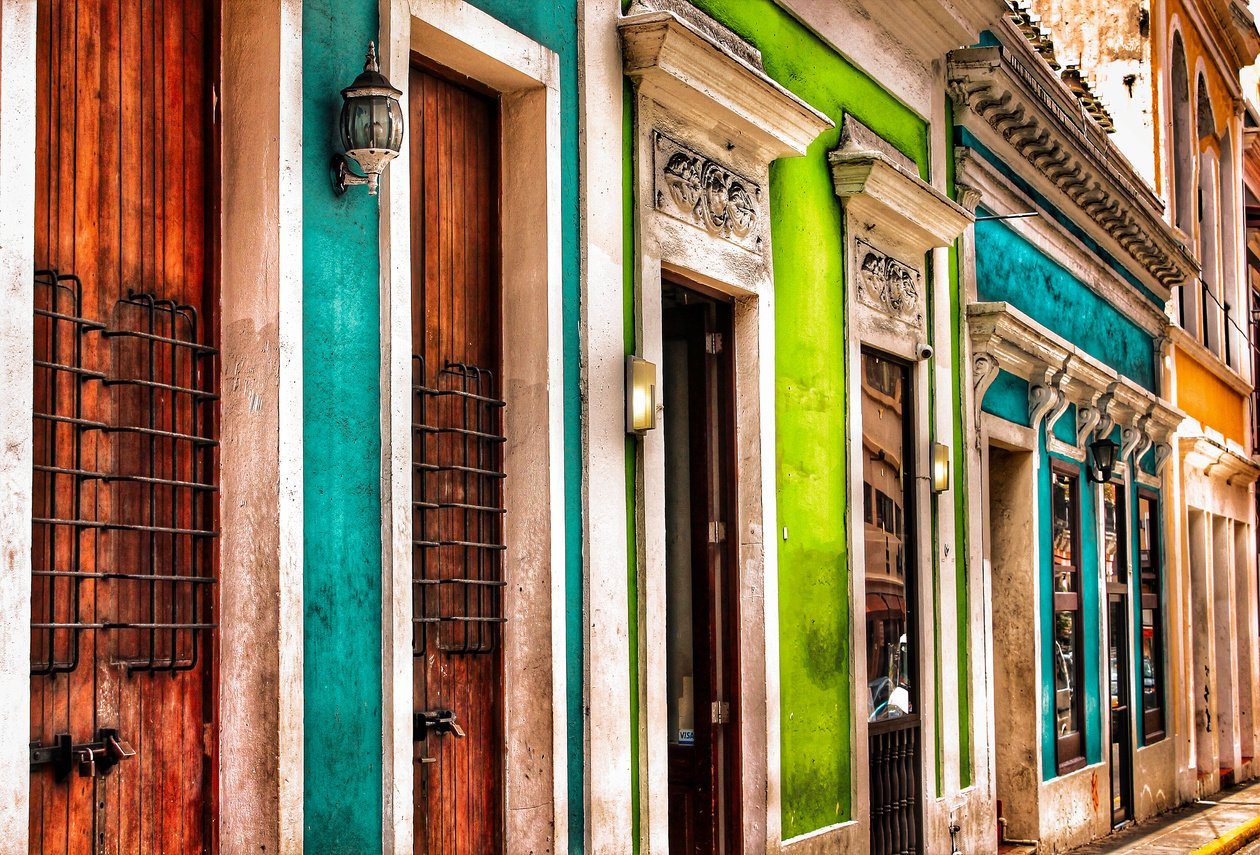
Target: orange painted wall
x=1204, y=397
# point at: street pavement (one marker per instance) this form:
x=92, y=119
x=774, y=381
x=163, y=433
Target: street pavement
x=1183, y=830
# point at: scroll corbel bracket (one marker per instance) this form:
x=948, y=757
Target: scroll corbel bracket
x=1163, y=451
x=1106, y=421
x=1145, y=442
x=1061, y=402
x=1042, y=398
x=1087, y=418
x=1130, y=438
x=984, y=370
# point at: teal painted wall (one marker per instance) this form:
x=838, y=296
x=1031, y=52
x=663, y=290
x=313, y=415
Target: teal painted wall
x=1007, y=398
x=342, y=432
x=1010, y=269
x=341, y=468
x=811, y=376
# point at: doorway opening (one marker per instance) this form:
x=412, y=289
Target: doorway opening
x=702, y=620
x=892, y=619
x=1116, y=571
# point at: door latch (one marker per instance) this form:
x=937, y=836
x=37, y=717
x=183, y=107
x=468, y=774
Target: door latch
x=92, y=758
x=437, y=722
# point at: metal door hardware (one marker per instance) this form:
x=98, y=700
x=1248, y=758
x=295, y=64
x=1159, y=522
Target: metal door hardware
x=93, y=758
x=721, y=712
x=437, y=722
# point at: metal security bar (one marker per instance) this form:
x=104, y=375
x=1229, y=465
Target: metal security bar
x=458, y=509
x=894, y=790
x=59, y=471
x=123, y=481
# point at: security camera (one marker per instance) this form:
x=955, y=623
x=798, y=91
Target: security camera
x=923, y=351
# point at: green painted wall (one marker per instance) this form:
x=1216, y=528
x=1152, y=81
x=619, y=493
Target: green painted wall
x=341, y=370
x=342, y=432
x=811, y=377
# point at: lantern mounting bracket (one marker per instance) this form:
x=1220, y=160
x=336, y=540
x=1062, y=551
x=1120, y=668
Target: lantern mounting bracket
x=344, y=177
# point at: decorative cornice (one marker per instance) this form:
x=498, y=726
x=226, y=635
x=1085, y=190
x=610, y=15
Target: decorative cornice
x=1058, y=373
x=1017, y=97
x=895, y=202
x=1217, y=460
x=691, y=74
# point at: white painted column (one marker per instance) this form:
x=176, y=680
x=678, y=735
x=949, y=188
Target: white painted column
x=17, y=264
x=397, y=772
x=607, y=664
x=261, y=693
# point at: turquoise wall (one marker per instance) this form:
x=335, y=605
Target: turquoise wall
x=1010, y=269
x=341, y=467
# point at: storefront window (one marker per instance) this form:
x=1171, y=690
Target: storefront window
x=1114, y=533
x=1066, y=630
x=1152, y=675
x=890, y=634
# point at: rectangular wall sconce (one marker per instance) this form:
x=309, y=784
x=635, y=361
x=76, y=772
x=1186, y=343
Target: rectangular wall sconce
x=940, y=467
x=640, y=395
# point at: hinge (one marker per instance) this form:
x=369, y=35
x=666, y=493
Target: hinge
x=713, y=343
x=214, y=104
x=721, y=712
x=717, y=532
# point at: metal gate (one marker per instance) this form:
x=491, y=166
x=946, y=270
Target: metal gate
x=124, y=523
x=458, y=444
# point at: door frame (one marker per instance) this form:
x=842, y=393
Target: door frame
x=526, y=76
x=1128, y=747
x=725, y=638
x=260, y=276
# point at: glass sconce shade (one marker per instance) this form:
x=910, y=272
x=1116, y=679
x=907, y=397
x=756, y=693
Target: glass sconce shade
x=640, y=395
x=371, y=125
x=1104, y=453
x=940, y=467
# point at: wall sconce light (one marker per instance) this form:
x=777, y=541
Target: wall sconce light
x=940, y=467
x=640, y=395
x=1102, y=453
x=371, y=127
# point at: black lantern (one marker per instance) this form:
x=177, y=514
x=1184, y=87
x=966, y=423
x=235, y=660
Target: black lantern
x=371, y=127
x=1103, y=451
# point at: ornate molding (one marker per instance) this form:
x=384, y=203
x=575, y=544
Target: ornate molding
x=705, y=193
x=1011, y=91
x=690, y=73
x=1058, y=374
x=891, y=286
x=984, y=370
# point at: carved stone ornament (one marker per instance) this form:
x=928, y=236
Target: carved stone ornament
x=1162, y=452
x=704, y=193
x=887, y=284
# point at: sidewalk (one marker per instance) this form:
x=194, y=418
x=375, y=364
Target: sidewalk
x=1185, y=829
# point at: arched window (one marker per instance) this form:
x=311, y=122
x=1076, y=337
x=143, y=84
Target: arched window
x=1209, y=225
x=1182, y=151
x=1231, y=342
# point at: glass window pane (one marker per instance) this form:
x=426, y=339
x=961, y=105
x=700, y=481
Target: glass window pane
x=1113, y=532
x=679, y=642
x=1062, y=504
x=1150, y=686
x=889, y=628
x=1065, y=706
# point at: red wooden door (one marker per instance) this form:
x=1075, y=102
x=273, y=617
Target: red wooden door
x=458, y=465
x=123, y=536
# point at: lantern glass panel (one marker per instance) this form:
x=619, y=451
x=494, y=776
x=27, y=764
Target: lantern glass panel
x=371, y=122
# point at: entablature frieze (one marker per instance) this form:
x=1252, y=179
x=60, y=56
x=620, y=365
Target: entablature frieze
x=1007, y=97
x=1058, y=374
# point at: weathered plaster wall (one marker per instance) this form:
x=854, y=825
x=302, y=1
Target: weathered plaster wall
x=1205, y=397
x=341, y=403
x=1011, y=269
x=811, y=380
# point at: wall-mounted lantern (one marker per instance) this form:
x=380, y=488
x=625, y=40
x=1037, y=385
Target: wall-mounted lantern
x=940, y=467
x=1102, y=454
x=640, y=395
x=371, y=127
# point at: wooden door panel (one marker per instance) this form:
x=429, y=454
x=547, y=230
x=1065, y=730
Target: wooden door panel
x=458, y=458
x=123, y=543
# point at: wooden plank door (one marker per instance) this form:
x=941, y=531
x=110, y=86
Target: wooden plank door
x=457, y=469
x=123, y=683
x=701, y=620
